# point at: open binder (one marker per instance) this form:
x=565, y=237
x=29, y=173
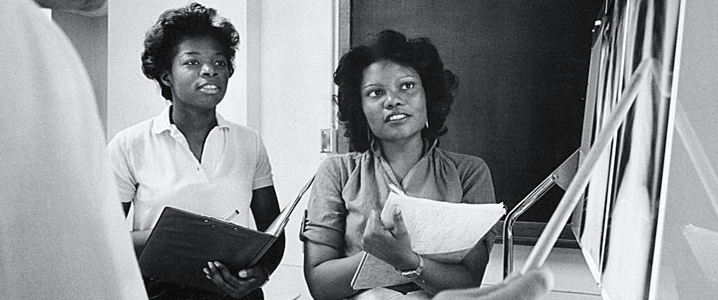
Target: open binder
x=182, y=243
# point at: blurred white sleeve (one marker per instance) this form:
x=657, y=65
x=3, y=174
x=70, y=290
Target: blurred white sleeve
x=62, y=234
x=534, y=285
x=90, y=8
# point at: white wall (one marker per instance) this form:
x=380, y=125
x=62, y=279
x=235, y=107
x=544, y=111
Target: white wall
x=296, y=88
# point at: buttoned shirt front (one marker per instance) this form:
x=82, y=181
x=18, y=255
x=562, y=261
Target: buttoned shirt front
x=154, y=168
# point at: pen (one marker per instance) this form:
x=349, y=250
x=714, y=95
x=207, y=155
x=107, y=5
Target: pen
x=231, y=215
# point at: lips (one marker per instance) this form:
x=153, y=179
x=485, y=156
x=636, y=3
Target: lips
x=396, y=117
x=209, y=89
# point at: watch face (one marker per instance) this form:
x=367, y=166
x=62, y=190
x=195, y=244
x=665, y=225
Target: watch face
x=411, y=274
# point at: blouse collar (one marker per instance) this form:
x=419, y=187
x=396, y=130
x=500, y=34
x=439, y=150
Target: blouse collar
x=428, y=145
x=162, y=121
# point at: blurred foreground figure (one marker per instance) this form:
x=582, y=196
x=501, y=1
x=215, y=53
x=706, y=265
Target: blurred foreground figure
x=83, y=7
x=62, y=234
x=533, y=285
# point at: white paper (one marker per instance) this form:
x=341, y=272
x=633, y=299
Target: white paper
x=441, y=227
x=442, y=231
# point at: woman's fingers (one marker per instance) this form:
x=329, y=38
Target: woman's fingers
x=233, y=285
x=398, y=226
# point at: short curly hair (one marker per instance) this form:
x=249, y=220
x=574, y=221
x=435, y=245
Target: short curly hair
x=419, y=54
x=174, y=26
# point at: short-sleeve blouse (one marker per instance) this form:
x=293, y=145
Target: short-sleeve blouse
x=154, y=168
x=347, y=187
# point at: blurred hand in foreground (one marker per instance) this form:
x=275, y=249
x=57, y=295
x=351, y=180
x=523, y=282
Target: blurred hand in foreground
x=533, y=285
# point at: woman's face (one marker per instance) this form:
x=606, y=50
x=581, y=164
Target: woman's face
x=393, y=101
x=199, y=73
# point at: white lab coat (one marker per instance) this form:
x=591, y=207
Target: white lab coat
x=62, y=234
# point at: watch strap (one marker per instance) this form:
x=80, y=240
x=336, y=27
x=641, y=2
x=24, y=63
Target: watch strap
x=415, y=273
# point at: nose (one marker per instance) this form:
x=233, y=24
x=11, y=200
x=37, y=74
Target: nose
x=393, y=99
x=208, y=70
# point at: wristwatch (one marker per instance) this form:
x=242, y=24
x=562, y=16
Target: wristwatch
x=413, y=274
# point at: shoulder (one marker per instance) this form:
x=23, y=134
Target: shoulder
x=341, y=166
x=474, y=175
x=464, y=162
x=242, y=136
x=242, y=130
x=347, y=161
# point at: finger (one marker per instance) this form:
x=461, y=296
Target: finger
x=221, y=276
x=512, y=276
x=233, y=285
x=233, y=281
x=464, y=294
x=373, y=224
x=399, y=227
x=387, y=216
x=535, y=284
x=251, y=279
x=251, y=273
x=531, y=286
x=472, y=293
x=213, y=272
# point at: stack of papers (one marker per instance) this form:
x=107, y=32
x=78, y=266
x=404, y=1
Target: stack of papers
x=440, y=231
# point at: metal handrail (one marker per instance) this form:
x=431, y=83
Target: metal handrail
x=562, y=177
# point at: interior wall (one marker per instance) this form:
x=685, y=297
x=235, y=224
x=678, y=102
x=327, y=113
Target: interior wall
x=296, y=90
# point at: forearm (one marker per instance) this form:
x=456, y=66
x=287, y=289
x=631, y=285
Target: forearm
x=332, y=278
x=271, y=259
x=468, y=273
x=265, y=208
x=436, y=277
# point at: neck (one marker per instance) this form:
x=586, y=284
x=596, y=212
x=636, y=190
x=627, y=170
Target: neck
x=193, y=121
x=402, y=155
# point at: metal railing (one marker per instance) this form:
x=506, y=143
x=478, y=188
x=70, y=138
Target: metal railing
x=562, y=177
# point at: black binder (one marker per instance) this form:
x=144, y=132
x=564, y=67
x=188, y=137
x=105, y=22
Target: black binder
x=182, y=243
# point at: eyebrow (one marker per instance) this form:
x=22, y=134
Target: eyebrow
x=198, y=53
x=371, y=85
x=407, y=76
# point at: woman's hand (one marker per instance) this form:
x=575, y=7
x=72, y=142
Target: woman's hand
x=386, y=237
x=236, y=286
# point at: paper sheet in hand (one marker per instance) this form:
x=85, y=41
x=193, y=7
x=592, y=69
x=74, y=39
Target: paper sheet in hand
x=442, y=231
